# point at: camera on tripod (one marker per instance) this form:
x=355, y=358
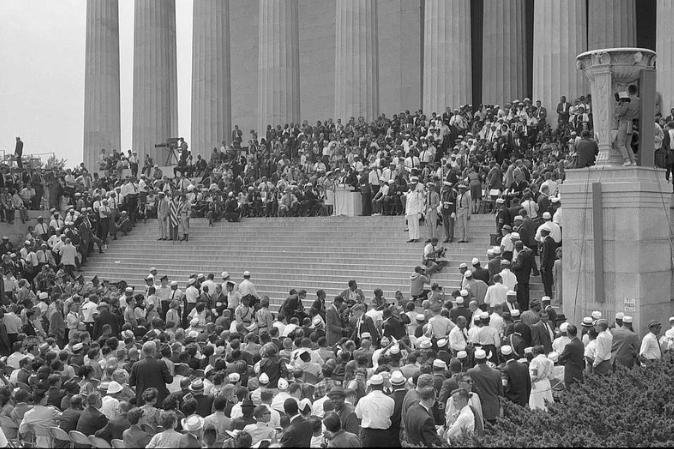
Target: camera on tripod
x=173, y=144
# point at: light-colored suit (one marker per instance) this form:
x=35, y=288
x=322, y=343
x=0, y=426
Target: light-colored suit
x=162, y=217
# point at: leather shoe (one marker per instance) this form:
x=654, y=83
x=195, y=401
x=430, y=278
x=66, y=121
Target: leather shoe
x=410, y=241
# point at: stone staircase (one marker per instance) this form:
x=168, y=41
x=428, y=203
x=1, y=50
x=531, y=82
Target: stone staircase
x=284, y=253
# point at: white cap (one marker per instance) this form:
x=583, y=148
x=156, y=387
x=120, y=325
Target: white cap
x=506, y=350
x=511, y=293
x=114, y=387
x=553, y=356
x=442, y=342
x=490, y=252
x=459, y=300
x=464, y=292
x=174, y=284
x=546, y=215
x=497, y=250
x=628, y=319
x=468, y=274
x=246, y=273
x=461, y=355
x=515, y=236
x=224, y=275
x=234, y=377
x=463, y=265
x=596, y=315
x=528, y=350
x=480, y=354
x=515, y=313
x=563, y=327
x=377, y=379
x=282, y=384
x=425, y=344
x=484, y=315
x=619, y=316
x=421, y=317
x=545, y=298
x=437, y=363
x=475, y=261
x=395, y=349
x=397, y=378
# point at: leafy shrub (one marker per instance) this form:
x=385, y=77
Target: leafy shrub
x=632, y=408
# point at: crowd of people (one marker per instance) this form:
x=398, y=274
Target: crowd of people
x=213, y=366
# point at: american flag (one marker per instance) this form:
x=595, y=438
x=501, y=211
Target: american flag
x=173, y=213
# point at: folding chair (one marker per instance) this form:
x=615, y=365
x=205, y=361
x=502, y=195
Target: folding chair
x=97, y=442
x=79, y=438
x=148, y=428
x=118, y=444
x=41, y=431
x=59, y=434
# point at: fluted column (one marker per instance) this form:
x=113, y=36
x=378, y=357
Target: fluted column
x=447, y=55
x=356, y=60
x=559, y=36
x=155, y=88
x=664, y=46
x=211, y=79
x=102, y=128
x=278, y=64
x=504, y=56
x=611, y=24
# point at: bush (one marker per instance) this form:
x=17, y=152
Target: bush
x=632, y=408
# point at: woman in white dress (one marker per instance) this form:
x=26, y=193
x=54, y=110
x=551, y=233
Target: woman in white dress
x=540, y=370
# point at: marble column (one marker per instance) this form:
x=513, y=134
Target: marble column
x=278, y=98
x=559, y=36
x=155, y=88
x=102, y=126
x=664, y=46
x=611, y=24
x=504, y=55
x=447, y=55
x=356, y=60
x=211, y=79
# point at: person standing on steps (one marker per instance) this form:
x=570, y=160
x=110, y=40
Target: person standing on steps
x=432, y=203
x=414, y=203
x=184, y=211
x=448, y=202
x=163, y=211
x=463, y=205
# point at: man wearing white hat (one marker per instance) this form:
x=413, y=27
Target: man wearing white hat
x=414, y=204
x=626, y=110
x=375, y=410
x=487, y=383
x=625, y=346
x=667, y=340
x=561, y=341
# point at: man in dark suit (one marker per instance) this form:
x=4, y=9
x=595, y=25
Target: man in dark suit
x=363, y=324
x=521, y=267
x=399, y=391
x=626, y=345
x=488, y=386
x=114, y=429
x=563, y=108
x=572, y=358
x=148, y=373
x=299, y=431
x=515, y=378
x=541, y=114
x=91, y=420
x=105, y=317
x=333, y=320
x=419, y=422
x=542, y=333
x=69, y=418
x=548, y=247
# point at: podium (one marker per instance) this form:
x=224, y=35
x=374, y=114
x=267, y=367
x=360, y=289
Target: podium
x=347, y=202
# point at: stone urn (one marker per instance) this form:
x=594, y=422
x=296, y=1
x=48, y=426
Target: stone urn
x=611, y=70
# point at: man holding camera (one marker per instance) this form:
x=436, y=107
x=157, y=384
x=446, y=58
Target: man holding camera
x=434, y=257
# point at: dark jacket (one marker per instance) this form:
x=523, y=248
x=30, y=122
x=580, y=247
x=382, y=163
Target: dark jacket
x=487, y=383
x=104, y=318
x=333, y=322
x=518, y=389
x=522, y=266
x=420, y=427
x=114, y=429
x=149, y=373
x=541, y=336
x=298, y=433
x=572, y=359
x=625, y=347
x=91, y=421
x=548, y=248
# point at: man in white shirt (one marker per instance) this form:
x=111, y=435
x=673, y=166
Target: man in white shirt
x=414, y=204
x=246, y=287
x=602, y=355
x=497, y=293
x=463, y=419
x=458, y=337
x=375, y=411
x=650, y=346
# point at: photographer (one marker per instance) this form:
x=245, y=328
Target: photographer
x=434, y=257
